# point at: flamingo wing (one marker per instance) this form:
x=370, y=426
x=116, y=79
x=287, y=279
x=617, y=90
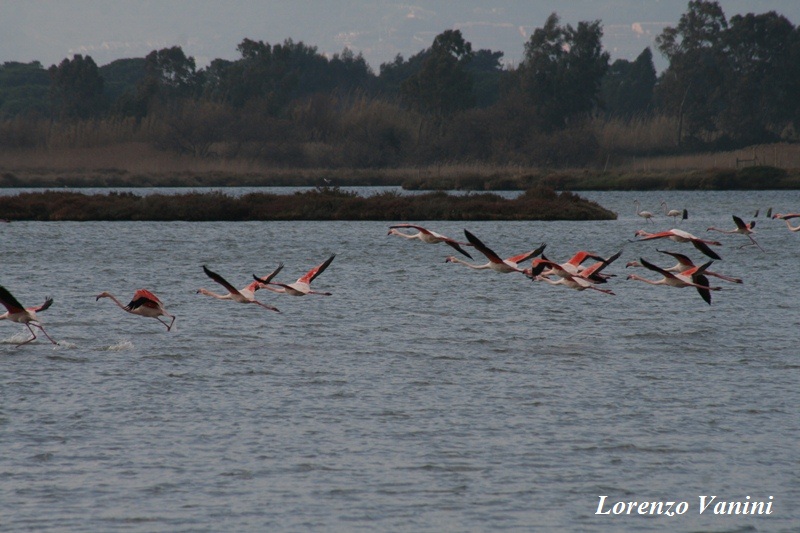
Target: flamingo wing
x=705, y=249
x=48, y=301
x=456, y=246
x=482, y=248
x=10, y=303
x=270, y=276
x=219, y=279
x=655, y=268
x=702, y=288
x=142, y=301
x=528, y=255
x=740, y=223
x=418, y=228
x=682, y=259
x=316, y=271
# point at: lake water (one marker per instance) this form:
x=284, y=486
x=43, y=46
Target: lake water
x=422, y=396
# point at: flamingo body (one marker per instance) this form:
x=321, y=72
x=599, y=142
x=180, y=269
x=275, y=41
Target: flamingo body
x=503, y=266
x=15, y=312
x=429, y=237
x=678, y=235
x=144, y=303
x=302, y=286
x=245, y=295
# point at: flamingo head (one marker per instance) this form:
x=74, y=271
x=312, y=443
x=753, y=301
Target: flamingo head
x=102, y=295
x=632, y=264
x=450, y=259
x=639, y=233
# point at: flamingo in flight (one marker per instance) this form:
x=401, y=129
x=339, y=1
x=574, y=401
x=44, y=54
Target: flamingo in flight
x=647, y=215
x=675, y=213
x=144, y=303
x=16, y=313
x=428, y=236
x=678, y=235
x=578, y=282
x=574, y=264
x=743, y=228
x=690, y=278
x=684, y=264
x=495, y=263
x=302, y=286
x=786, y=217
x=243, y=296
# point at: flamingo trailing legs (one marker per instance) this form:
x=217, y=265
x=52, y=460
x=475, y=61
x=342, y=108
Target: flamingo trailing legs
x=144, y=303
x=16, y=313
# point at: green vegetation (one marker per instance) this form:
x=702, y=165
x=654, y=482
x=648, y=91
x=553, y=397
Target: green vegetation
x=323, y=203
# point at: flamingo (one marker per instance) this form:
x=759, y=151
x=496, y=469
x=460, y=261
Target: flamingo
x=690, y=278
x=684, y=264
x=144, y=303
x=647, y=215
x=429, y=237
x=573, y=265
x=16, y=313
x=503, y=266
x=578, y=282
x=678, y=235
x=243, y=296
x=743, y=228
x=675, y=213
x=302, y=286
x=786, y=218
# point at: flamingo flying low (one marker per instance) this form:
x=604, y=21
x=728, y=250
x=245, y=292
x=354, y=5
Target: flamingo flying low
x=786, y=217
x=743, y=228
x=428, y=236
x=690, y=278
x=679, y=235
x=495, y=263
x=302, y=286
x=568, y=279
x=16, y=313
x=684, y=264
x=243, y=296
x=144, y=303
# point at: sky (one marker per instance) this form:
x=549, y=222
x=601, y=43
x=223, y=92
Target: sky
x=52, y=30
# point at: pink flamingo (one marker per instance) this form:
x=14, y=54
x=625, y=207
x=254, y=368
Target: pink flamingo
x=786, y=218
x=503, y=266
x=675, y=213
x=429, y=237
x=144, y=303
x=647, y=215
x=302, y=286
x=684, y=264
x=679, y=235
x=16, y=313
x=578, y=282
x=742, y=228
x=690, y=278
x=242, y=296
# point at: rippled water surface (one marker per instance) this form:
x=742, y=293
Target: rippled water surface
x=421, y=396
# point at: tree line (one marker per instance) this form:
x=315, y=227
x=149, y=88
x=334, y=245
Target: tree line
x=728, y=83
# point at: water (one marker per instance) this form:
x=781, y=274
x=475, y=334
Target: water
x=421, y=396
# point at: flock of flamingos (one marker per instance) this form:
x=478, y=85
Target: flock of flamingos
x=572, y=273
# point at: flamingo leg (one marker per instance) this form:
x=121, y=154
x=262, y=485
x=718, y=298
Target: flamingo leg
x=29, y=340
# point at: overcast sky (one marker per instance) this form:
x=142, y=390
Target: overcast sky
x=51, y=30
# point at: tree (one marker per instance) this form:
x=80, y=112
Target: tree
x=170, y=73
x=562, y=70
x=24, y=89
x=443, y=85
x=627, y=87
x=758, y=101
x=691, y=87
x=76, y=88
